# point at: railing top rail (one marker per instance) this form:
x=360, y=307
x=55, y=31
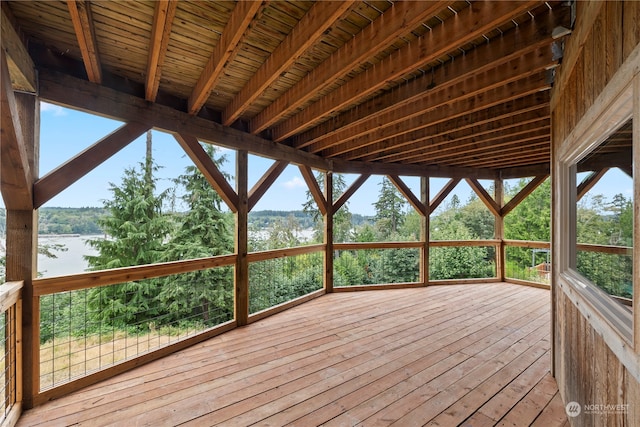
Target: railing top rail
x=284, y=252
x=608, y=249
x=535, y=244
x=9, y=294
x=376, y=245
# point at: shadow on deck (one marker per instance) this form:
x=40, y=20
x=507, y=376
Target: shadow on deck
x=474, y=355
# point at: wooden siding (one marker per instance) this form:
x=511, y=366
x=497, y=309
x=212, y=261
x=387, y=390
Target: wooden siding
x=428, y=356
x=587, y=364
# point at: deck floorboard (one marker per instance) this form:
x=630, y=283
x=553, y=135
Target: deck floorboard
x=470, y=355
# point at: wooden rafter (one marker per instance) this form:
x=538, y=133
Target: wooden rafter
x=80, y=11
x=314, y=188
x=442, y=194
x=537, y=149
x=205, y=164
x=444, y=135
x=589, y=181
x=16, y=175
x=225, y=51
x=398, y=20
x=71, y=171
x=306, y=33
x=162, y=21
x=265, y=182
x=21, y=67
x=469, y=24
x=484, y=196
x=408, y=194
x=473, y=86
x=522, y=194
x=350, y=191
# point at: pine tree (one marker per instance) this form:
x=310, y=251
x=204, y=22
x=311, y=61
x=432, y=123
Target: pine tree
x=390, y=207
x=341, y=219
x=136, y=229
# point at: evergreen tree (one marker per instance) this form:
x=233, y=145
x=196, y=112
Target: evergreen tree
x=389, y=207
x=341, y=219
x=204, y=231
x=136, y=229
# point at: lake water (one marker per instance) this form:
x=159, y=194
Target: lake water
x=66, y=262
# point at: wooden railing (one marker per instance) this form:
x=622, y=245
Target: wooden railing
x=11, y=303
x=537, y=273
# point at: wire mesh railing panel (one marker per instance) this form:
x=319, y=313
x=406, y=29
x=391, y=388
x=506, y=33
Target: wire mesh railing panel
x=613, y=273
x=11, y=347
x=462, y=262
x=278, y=280
x=91, y=329
x=356, y=267
x=529, y=264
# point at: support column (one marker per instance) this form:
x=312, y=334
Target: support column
x=328, y=233
x=241, y=284
x=499, y=229
x=424, y=232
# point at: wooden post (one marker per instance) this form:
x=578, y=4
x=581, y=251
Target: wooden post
x=328, y=233
x=499, y=230
x=241, y=244
x=424, y=231
x=636, y=212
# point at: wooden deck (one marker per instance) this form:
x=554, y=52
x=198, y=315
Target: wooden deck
x=473, y=355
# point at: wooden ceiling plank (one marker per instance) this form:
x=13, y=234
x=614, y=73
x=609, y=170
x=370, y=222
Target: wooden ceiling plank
x=163, y=16
x=15, y=172
x=522, y=194
x=533, y=155
x=484, y=196
x=314, y=188
x=475, y=85
x=401, y=18
x=71, y=171
x=80, y=11
x=525, y=171
x=224, y=52
x=205, y=164
x=101, y=100
x=408, y=194
x=305, y=34
x=516, y=134
x=442, y=194
x=399, y=148
x=512, y=45
x=20, y=65
x=491, y=152
x=470, y=23
x=589, y=181
x=529, y=86
x=265, y=182
x=349, y=192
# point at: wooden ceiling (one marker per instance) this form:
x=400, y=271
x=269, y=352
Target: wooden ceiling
x=379, y=85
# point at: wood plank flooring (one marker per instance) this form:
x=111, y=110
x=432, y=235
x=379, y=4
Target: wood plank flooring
x=472, y=355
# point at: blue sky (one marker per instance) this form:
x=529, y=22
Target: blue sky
x=65, y=133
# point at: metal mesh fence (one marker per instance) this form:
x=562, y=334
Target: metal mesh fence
x=87, y=330
x=530, y=264
x=613, y=273
x=355, y=267
x=462, y=262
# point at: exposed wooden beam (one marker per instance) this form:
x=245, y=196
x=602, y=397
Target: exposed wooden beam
x=352, y=189
x=470, y=23
x=533, y=155
x=314, y=188
x=525, y=171
x=513, y=44
x=267, y=180
x=205, y=164
x=518, y=135
x=484, y=196
x=408, y=194
x=401, y=18
x=305, y=34
x=71, y=171
x=226, y=49
x=16, y=175
x=589, y=181
x=522, y=194
x=458, y=132
x=80, y=11
x=21, y=67
x=163, y=16
x=442, y=194
x=381, y=168
x=531, y=65
x=101, y=100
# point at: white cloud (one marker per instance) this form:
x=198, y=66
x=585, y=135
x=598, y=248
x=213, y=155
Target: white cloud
x=56, y=110
x=295, y=182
